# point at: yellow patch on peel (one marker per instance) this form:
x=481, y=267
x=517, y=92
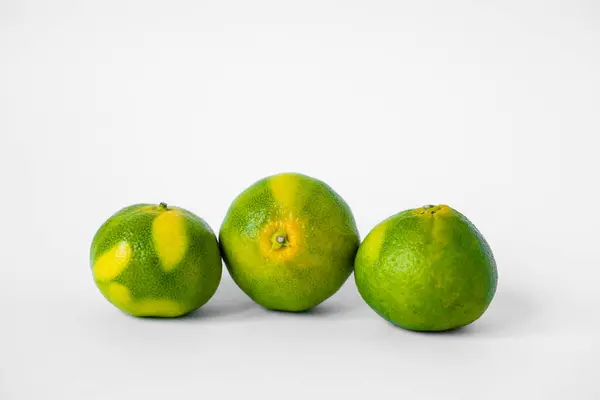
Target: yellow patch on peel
x=157, y=308
x=441, y=209
x=293, y=231
x=120, y=296
x=374, y=242
x=110, y=264
x=439, y=230
x=285, y=189
x=436, y=216
x=170, y=238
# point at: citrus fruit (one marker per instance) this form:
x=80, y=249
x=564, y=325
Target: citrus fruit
x=289, y=242
x=427, y=269
x=156, y=261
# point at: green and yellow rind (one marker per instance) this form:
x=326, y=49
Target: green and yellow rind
x=426, y=270
x=327, y=240
x=168, y=283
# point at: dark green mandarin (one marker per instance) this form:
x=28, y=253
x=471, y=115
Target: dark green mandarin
x=427, y=269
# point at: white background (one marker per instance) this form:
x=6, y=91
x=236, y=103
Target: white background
x=491, y=108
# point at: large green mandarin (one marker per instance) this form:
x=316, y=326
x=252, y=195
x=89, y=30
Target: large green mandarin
x=289, y=242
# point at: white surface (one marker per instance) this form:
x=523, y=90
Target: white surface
x=492, y=109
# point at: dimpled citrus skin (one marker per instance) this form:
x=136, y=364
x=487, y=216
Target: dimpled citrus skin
x=318, y=235
x=156, y=261
x=427, y=269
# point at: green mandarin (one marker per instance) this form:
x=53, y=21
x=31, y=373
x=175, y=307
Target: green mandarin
x=289, y=242
x=427, y=269
x=156, y=261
